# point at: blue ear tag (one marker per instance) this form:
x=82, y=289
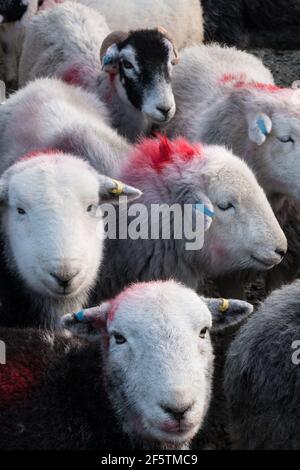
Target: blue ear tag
x=206, y=211
x=261, y=125
x=79, y=316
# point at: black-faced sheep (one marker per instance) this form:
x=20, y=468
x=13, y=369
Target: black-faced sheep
x=131, y=73
x=262, y=376
x=52, y=236
x=59, y=392
x=229, y=98
x=51, y=114
x=244, y=232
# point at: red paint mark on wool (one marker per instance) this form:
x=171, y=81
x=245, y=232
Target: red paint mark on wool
x=161, y=152
x=17, y=379
x=109, y=92
x=240, y=81
x=73, y=75
x=115, y=303
x=40, y=153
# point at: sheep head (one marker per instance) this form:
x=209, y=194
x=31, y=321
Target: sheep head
x=140, y=65
x=52, y=222
x=243, y=232
x=158, y=357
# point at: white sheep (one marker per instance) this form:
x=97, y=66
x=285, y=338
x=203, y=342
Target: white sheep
x=227, y=97
x=48, y=113
x=244, y=232
x=52, y=236
x=148, y=386
x=182, y=18
x=131, y=73
x=262, y=380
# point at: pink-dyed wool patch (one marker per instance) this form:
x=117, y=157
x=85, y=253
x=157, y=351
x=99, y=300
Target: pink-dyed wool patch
x=161, y=152
x=115, y=303
x=240, y=81
x=73, y=76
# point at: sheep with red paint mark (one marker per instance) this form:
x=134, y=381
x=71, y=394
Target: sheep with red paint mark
x=117, y=396
x=243, y=232
x=228, y=97
x=52, y=236
x=51, y=114
x=130, y=71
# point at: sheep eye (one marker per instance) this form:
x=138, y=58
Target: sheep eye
x=119, y=338
x=285, y=140
x=225, y=206
x=90, y=208
x=20, y=211
x=127, y=65
x=203, y=332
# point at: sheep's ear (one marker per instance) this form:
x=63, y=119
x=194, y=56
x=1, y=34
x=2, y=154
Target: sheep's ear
x=109, y=52
x=88, y=323
x=111, y=189
x=259, y=127
x=227, y=312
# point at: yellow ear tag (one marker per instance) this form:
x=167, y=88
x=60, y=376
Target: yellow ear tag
x=119, y=189
x=224, y=306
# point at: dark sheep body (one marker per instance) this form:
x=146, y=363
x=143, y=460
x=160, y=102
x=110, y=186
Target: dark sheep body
x=57, y=399
x=262, y=382
x=256, y=23
x=288, y=270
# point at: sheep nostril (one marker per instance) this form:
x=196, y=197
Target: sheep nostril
x=280, y=252
x=64, y=280
x=176, y=413
x=164, y=111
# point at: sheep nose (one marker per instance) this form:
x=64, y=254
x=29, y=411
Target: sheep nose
x=280, y=252
x=176, y=412
x=164, y=110
x=64, y=279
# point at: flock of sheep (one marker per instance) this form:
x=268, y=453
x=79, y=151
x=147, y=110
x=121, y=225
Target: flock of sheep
x=121, y=98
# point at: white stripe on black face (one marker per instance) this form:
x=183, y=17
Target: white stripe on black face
x=129, y=62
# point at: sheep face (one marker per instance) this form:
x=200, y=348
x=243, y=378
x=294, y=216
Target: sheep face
x=52, y=222
x=170, y=402
x=158, y=358
x=244, y=232
x=144, y=60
